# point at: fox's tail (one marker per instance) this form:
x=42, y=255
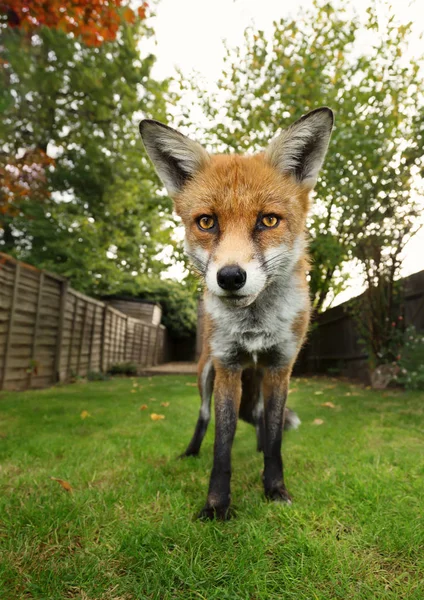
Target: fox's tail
x=291, y=419
x=251, y=385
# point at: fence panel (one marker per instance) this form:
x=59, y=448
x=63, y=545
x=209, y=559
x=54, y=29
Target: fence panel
x=29, y=321
x=50, y=332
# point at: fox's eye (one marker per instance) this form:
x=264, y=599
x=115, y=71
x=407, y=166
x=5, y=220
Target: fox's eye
x=270, y=221
x=206, y=222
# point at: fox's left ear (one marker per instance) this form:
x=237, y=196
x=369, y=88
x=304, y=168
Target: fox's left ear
x=300, y=150
x=176, y=158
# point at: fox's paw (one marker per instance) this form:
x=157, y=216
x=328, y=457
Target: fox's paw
x=279, y=494
x=211, y=513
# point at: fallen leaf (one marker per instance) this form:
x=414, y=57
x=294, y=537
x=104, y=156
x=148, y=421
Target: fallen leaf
x=329, y=405
x=348, y=394
x=192, y=384
x=66, y=486
x=319, y=393
x=152, y=399
x=156, y=417
x=292, y=390
x=85, y=414
x=165, y=404
x=143, y=407
x=317, y=422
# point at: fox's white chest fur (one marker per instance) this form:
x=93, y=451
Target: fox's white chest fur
x=260, y=327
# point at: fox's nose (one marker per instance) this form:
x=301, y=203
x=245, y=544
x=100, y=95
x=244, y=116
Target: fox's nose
x=231, y=278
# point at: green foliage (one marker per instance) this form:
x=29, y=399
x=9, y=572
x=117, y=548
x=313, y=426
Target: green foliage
x=411, y=360
x=178, y=301
x=103, y=217
x=97, y=376
x=379, y=320
x=365, y=209
x=126, y=368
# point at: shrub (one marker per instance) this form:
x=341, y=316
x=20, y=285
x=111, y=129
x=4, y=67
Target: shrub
x=97, y=376
x=411, y=360
x=123, y=369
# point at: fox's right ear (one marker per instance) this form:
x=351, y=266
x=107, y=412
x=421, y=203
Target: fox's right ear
x=300, y=150
x=176, y=158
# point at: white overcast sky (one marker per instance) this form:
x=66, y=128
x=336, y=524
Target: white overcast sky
x=190, y=35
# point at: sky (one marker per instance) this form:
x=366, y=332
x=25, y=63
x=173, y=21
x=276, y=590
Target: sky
x=190, y=36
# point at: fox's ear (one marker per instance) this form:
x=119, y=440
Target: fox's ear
x=176, y=158
x=300, y=149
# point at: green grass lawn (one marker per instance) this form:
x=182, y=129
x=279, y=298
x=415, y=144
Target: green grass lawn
x=126, y=530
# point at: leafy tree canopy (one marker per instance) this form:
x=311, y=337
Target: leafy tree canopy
x=365, y=203
x=77, y=196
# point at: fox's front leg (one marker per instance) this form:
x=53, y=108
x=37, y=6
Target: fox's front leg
x=275, y=387
x=227, y=393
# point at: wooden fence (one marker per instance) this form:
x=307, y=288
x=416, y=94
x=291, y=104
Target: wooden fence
x=50, y=332
x=334, y=342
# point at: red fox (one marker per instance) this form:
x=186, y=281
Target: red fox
x=245, y=221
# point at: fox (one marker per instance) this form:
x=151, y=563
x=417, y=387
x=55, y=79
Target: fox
x=245, y=225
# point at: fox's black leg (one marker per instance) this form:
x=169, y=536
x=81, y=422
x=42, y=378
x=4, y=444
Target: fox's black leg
x=227, y=402
x=275, y=386
x=205, y=381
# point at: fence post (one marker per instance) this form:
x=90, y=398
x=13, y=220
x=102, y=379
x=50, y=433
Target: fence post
x=36, y=326
x=81, y=344
x=124, y=350
x=59, y=342
x=155, y=347
x=103, y=339
x=10, y=325
x=71, y=341
x=90, y=347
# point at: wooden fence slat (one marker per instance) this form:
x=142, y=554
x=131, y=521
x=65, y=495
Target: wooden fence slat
x=10, y=327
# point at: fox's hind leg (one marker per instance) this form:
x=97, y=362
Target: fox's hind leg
x=252, y=404
x=206, y=376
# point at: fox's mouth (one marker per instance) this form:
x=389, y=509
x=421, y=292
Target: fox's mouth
x=234, y=296
x=238, y=300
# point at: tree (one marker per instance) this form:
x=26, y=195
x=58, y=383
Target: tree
x=94, y=21
x=364, y=198
x=77, y=196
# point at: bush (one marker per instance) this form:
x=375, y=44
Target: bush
x=178, y=301
x=97, y=376
x=411, y=360
x=123, y=369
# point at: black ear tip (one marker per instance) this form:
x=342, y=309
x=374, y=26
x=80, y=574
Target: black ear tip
x=145, y=124
x=327, y=110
